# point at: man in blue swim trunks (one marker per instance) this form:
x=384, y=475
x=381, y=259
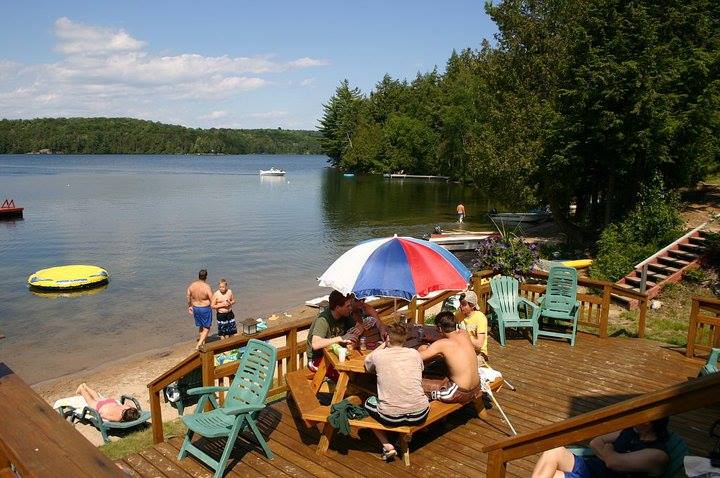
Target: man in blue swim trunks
x=199, y=296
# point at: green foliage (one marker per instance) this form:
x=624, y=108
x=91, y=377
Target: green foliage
x=697, y=276
x=132, y=136
x=654, y=223
x=506, y=255
x=712, y=250
x=576, y=101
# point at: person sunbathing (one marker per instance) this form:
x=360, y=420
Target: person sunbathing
x=638, y=451
x=456, y=347
x=400, y=400
x=108, y=408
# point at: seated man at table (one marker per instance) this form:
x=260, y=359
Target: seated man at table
x=367, y=324
x=474, y=322
x=328, y=328
x=456, y=348
x=400, y=399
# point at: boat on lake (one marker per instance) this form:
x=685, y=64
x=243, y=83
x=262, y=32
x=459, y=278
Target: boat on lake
x=512, y=219
x=8, y=210
x=272, y=172
x=460, y=240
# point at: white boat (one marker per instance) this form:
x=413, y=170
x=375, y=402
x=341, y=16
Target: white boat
x=460, y=241
x=272, y=172
x=516, y=218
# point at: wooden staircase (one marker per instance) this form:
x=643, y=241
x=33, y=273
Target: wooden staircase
x=664, y=267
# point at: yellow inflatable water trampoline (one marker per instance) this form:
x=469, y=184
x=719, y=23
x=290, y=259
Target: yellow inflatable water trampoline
x=69, y=277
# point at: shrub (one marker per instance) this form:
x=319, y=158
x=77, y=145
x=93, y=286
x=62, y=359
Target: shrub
x=654, y=223
x=712, y=250
x=506, y=255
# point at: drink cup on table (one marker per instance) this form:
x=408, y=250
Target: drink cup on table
x=342, y=354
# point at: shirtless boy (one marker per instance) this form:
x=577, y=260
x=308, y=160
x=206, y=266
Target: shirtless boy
x=460, y=209
x=222, y=301
x=199, y=297
x=463, y=383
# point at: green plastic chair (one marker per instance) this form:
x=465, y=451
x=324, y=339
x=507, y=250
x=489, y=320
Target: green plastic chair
x=676, y=448
x=712, y=363
x=244, y=400
x=92, y=416
x=506, y=303
x=560, y=304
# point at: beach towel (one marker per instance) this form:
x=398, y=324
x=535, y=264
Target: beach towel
x=77, y=402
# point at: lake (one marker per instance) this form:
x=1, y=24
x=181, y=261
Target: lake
x=154, y=221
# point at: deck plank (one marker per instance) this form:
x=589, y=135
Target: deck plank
x=554, y=381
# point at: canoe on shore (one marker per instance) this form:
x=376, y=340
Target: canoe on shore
x=512, y=219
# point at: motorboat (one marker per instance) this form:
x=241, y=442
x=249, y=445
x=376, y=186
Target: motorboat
x=272, y=172
x=512, y=219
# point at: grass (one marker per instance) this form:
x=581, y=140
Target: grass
x=140, y=440
x=669, y=323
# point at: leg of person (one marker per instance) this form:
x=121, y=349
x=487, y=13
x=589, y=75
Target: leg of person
x=89, y=398
x=388, y=450
x=203, y=337
x=558, y=462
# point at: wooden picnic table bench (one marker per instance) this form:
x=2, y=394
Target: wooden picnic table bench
x=304, y=385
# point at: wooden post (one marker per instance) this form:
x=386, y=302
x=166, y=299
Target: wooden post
x=208, y=372
x=293, y=346
x=156, y=414
x=692, y=328
x=605, y=310
x=643, y=278
x=496, y=467
x=412, y=310
x=641, y=320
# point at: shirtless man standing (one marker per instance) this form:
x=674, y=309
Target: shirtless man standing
x=460, y=209
x=199, y=296
x=456, y=347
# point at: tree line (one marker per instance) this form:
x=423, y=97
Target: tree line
x=575, y=102
x=134, y=136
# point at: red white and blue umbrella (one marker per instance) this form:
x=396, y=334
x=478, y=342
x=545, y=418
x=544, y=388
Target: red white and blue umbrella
x=402, y=267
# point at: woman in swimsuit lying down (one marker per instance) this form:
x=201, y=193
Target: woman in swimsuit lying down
x=108, y=408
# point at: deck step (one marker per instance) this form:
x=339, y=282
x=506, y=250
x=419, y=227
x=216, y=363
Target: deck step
x=693, y=248
x=662, y=268
x=656, y=277
x=699, y=240
x=686, y=256
x=674, y=262
x=635, y=281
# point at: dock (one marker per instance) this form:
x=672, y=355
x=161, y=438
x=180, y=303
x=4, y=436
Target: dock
x=414, y=176
x=8, y=210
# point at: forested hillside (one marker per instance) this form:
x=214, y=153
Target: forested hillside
x=133, y=136
x=576, y=101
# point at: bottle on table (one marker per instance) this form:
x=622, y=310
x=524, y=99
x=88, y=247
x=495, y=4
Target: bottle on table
x=363, y=346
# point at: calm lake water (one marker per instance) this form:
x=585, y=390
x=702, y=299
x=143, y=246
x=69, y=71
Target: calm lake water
x=154, y=221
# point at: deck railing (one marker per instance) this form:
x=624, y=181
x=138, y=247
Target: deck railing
x=291, y=356
x=704, y=327
x=35, y=441
x=680, y=398
x=594, y=304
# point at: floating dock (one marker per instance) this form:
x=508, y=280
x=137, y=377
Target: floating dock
x=414, y=176
x=8, y=210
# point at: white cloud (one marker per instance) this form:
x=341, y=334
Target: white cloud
x=76, y=38
x=215, y=115
x=307, y=82
x=107, y=72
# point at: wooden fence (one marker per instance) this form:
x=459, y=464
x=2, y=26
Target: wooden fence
x=704, y=327
x=697, y=393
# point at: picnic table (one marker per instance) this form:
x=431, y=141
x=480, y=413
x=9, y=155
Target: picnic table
x=304, y=389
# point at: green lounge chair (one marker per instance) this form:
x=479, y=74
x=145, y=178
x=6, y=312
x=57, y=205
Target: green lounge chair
x=560, y=304
x=506, y=303
x=244, y=399
x=676, y=448
x=712, y=363
x=92, y=416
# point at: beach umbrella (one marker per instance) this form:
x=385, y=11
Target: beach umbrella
x=400, y=267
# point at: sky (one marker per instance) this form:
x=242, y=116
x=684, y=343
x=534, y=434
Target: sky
x=229, y=64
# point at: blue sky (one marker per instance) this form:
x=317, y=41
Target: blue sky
x=218, y=64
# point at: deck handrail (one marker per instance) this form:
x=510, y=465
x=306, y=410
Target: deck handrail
x=290, y=357
x=594, y=308
x=704, y=325
x=662, y=251
x=36, y=442
x=678, y=398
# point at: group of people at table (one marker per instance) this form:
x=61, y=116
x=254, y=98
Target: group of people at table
x=407, y=378
x=446, y=369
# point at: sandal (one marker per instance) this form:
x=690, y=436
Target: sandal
x=388, y=455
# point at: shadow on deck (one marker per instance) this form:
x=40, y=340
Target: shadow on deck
x=554, y=381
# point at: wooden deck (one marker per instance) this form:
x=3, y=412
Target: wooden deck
x=553, y=380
